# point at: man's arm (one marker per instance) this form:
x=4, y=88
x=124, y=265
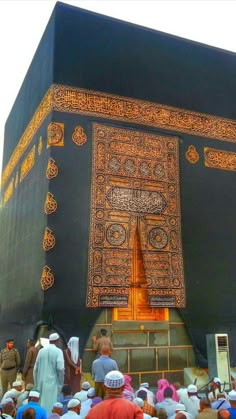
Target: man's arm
x=17, y=358
x=27, y=363
x=60, y=367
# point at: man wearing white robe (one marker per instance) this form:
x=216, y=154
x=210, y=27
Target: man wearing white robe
x=49, y=373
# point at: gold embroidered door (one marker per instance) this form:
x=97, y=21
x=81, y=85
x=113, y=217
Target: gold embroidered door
x=138, y=308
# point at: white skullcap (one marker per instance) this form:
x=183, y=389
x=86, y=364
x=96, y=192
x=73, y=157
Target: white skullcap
x=139, y=401
x=145, y=385
x=114, y=379
x=7, y=400
x=91, y=392
x=73, y=403
x=180, y=406
x=17, y=383
x=192, y=388
x=34, y=393
x=232, y=395
x=59, y=405
x=85, y=385
x=53, y=337
x=217, y=380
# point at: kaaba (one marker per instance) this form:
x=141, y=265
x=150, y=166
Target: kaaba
x=117, y=194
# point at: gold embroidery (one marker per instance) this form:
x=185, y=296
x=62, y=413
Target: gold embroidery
x=219, y=159
x=50, y=204
x=52, y=169
x=134, y=193
x=49, y=240
x=16, y=180
x=27, y=164
x=40, y=146
x=8, y=192
x=79, y=137
x=55, y=134
x=81, y=101
x=47, y=278
x=192, y=155
x=42, y=111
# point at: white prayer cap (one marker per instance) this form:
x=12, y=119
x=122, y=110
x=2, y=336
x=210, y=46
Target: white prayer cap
x=34, y=393
x=192, y=388
x=59, y=405
x=73, y=403
x=232, y=395
x=85, y=385
x=139, y=401
x=91, y=392
x=217, y=380
x=17, y=383
x=7, y=400
x=180, y=406
x=53, y=337
x=145, y=385
x=114, y=379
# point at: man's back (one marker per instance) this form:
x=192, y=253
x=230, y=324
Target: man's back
x=115, y=408
x=102, y=366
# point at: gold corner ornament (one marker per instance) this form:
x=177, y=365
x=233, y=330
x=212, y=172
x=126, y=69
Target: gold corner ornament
x=192, y=155
x=55, y=134
x=52, y=169
x=40, y=146
x=79, y=137
x=50, y=205
x=49, y=240
x=47, y=278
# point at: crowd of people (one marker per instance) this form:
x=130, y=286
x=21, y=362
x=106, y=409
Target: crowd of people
x=51, y=388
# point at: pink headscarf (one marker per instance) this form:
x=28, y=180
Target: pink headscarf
x=161, y=386
x=128, y=392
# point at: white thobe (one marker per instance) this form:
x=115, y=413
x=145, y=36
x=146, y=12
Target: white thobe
x=49, y=375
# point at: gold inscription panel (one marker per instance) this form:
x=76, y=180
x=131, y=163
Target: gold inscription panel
x=135, y=190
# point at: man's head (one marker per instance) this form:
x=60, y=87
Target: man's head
x=180, y=415
x=34, y=396
x=223, y=414
x=105, y=350
x=74, y=405
x=17, y=385
x=114, y=382
x=168, y=393
x=216, y=382
x=8, y=407
x=204, y=404
x=91, y=393
x=103, y=332
x=180, y=407
x=142, y=394
x=66, y=390
x=191, y=390
x=30, y=343
x=232, y=398
x=161, y=413
x=139, y=402
x=10, y=343
x=57, y=408
x=85, y=386
x=54, y=338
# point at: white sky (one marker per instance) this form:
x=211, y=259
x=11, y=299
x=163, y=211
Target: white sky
x=22, y=24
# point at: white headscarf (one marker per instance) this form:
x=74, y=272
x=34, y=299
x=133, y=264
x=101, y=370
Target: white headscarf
x=73, y=345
